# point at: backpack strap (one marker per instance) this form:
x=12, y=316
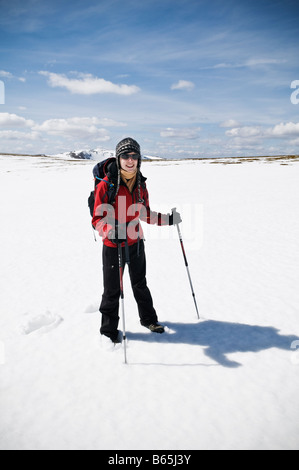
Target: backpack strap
x=103, y=179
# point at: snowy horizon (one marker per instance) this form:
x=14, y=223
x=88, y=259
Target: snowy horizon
x=101, y=153
x=228, y=381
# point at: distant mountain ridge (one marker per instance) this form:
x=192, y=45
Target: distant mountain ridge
x=97, y=154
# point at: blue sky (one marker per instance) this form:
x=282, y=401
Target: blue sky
x=188, y=78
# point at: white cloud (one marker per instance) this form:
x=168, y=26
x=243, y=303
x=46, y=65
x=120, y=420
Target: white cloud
x=230, y=123
x=255, y=62
x=286, y=130
x=246, y=131
x=183, y=85
x=185, y=133
x=13, y=120
x=18, y=135
x=282, y=130
x=79, y=127
x=5, y=74
x=90, y=128
x=87, y=84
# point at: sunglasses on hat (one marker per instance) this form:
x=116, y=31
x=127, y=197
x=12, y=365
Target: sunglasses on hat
x=126, y=156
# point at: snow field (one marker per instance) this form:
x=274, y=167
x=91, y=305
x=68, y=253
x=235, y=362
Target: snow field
x=228, y=381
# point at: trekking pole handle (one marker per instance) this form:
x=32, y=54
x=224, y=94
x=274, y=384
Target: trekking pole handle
x=173, y=210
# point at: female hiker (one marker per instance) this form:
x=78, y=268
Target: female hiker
x=121, y=201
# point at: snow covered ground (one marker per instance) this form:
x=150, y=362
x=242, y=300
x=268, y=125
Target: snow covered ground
x=227, y=381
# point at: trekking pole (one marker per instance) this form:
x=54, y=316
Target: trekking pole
x=186, y=263
x=121, y=271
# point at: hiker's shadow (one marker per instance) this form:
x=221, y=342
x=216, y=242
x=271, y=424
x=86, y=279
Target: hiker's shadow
x=221, y=338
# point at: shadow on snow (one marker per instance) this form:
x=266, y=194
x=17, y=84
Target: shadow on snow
x=220, y=338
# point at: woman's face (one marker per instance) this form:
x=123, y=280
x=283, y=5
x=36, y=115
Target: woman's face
x=130, y=164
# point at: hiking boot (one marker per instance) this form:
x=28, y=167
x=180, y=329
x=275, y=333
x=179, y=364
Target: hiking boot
x=155, y=328
x=117, y=339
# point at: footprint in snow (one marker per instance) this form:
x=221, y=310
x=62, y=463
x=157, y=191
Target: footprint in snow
x=41, y=323
x=92, y=308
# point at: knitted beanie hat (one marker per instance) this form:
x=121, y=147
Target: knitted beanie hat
x=127, y=145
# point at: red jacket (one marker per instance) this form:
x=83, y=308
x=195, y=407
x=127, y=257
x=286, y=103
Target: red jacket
x=125, y=211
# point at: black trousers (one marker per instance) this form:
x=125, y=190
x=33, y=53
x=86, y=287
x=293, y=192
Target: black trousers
x=109, y=307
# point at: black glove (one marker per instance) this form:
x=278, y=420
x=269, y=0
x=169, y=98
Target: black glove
x=113, y=235
x=118, y=234
x=175, y=218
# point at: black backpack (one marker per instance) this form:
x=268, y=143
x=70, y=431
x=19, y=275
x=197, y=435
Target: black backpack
x=99, y=173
